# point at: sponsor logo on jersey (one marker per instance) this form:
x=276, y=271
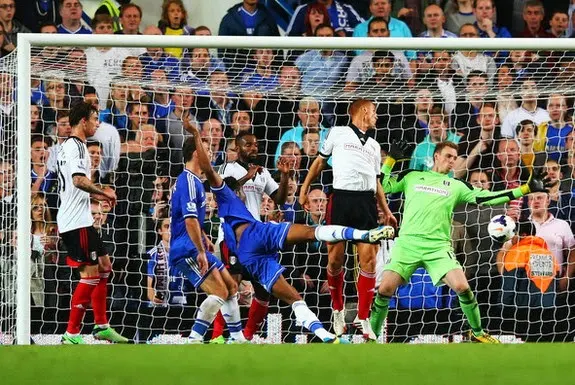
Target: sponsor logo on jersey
x=432, y=190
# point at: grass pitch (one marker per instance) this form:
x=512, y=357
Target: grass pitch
x=462, y=364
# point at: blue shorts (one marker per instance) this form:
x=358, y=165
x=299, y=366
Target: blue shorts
x=258, y=251
x=189, y=268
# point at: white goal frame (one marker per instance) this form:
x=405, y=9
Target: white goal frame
x=26, y=41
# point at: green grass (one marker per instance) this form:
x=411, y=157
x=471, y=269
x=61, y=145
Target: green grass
x=397, y=364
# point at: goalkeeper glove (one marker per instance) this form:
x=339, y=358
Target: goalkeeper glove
x=539, y=182
x=398, y=149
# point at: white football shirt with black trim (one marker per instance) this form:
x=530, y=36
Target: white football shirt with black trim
x=74, y=211
x=356, y=160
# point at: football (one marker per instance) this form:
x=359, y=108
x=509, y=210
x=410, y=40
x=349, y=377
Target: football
x=501, y=228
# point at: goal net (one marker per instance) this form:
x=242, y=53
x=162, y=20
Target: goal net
x=509, y=110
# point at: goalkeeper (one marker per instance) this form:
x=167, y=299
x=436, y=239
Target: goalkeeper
x=425, y=235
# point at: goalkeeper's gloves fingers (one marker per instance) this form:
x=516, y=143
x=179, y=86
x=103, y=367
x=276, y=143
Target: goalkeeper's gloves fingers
x=399, y=149
x=539, y=182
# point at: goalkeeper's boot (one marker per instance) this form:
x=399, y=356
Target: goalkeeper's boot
x=336, y=340
x=72, y=340
x=109, y=334
x=378, y=234
x=483, y=338
x=366, y=329
x=218, y=340
x=339, y=322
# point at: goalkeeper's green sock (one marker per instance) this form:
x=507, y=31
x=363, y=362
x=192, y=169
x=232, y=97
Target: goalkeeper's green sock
x=379, y=312
x=470, y=308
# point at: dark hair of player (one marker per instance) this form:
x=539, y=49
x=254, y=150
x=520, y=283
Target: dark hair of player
x=81, y=111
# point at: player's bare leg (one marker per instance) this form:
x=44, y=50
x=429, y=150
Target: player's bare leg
x=457, y=281
x=335, y=256
x=287, y=293
x=366, y=286
x=102, y=330
x=390, y=281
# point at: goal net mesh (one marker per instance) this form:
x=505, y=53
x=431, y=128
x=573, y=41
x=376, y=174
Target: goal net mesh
x=289, y=100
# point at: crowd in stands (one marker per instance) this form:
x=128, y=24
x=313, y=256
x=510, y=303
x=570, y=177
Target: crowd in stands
x=510, y=112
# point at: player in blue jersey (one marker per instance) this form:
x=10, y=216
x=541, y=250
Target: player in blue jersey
x=188, y=252
x=257, y=243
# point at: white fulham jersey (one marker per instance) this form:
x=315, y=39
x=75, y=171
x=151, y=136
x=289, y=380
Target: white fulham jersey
x=356, y=159
x=515, y=117
x=74, y=212
x=255, y=188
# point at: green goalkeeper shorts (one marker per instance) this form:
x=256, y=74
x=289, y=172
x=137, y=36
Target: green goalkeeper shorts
x=407, y=256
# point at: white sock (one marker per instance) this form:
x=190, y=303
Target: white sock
x=205, y=316
x=306, y=317
x=231, y=312
x=334, y=233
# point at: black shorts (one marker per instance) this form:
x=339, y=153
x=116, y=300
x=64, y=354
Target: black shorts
x=84, y=246
x=231, y=261
x=357, y=209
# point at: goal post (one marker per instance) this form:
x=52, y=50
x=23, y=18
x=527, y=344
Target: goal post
x=26, y=43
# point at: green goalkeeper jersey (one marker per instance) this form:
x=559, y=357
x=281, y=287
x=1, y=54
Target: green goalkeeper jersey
x=431, y=197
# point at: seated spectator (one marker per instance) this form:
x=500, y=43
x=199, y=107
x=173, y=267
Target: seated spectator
x=557, y=129
x=415, y=123
x=484, y=11
x=130, y=19
x=71, y=14
x=249, y=18
x=174, y=22
x=292, y=153
x=361, y=67
x=315, y=16
x=321, y=70
x=43, y=180
x=77, y=85
x=231, y=152
x=505, y=98
x=241, y=122
x=197, y=66
x=433, y=19
x=146, y=138
x=155, y=58
x=532, y=155
x=7, y=180
x=138, y=115
x=63, y=131
x=559, y=194
x=202, y=30
x=220, y=102
x=162, y=104
x=116, y=112
x=183, y=100
x=343, y=18
x=410, y=12
x=527, y=110
x=111, y=8
x=558, y=24
x=422, y=157
x=212, y=222
x=263, y=77
x=464, y=62
x=291, y=208
x=159, y=207
x=444, y=80
x=56, y=99
x=458, y=13
x=11, y=26
x=34, y=14
x=36, y=124
x=95, y=152
x=213, y=131
x=133, y=74
x=533, y=15
x=49, y=28
x=465, y=119
x=310, y=116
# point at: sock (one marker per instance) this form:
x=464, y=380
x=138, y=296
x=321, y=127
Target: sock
x=205, y=316
x=99, y=306
x=335, y=283
x=231, y=312
x=219, y=325
x=379, y=313
x=470, y=308
x=334, y=233
x=258, y=311
x=80, y=301
x=365, y=292
x=309, y=321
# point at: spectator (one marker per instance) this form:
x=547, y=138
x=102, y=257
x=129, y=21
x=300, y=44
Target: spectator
x=291, y=208
x=321, y=70
x=174, y=21
x=415, y=125
x=422, y=157
x=116, y=112
x=43, y=180
x=220, y=102
x=49, y=28
x=343, y=18
x=202, y=30
x=559, y=195
x=263, y=77
x=183, y=99
x=315, y=16
x=556, y=233
x=77, y=86
x=505, y=98
x=531, y=157
x=458, y=13
x=241, y=122
x=146, y=138
x=63, y=131
x=162, y=104
x=484, y=11
x=130, y=19
x=445, y=81
x=558, y=24
x=111, y=8
x=95, y=152
x=55, y=99
x=197, y=66
x=138, y=115
x=155, y=58
x=309, y=115
x=466, y=61
x=433, y=19
x=466, y=111
x=11, y=26
x=34, y=13
x=103, y=63
x=248, y=18
x=557, y=129
x=36, y=124
x=527, y=110
x=71, y=14
x=361, y=67
x=213, y=131
x=7, y=193
x=533, y=14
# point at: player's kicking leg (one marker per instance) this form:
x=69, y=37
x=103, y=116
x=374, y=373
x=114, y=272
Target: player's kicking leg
x=457, y=281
